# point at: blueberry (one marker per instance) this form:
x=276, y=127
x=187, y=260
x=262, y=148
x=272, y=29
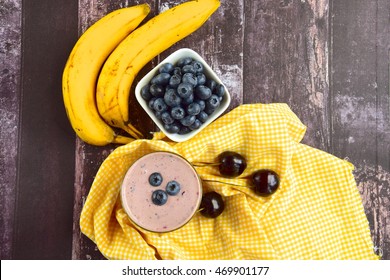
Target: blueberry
x=220, y=90
x=178, y=113
x=145, y=93
x=155, y=179
x=184, y=90
x=158, y=115
x=166, y=68
x=193, y=109
x=172, y=188
x=198, y=66
x=184, y=130
x=167, y=118
x=203, y=116
x=188, y=100
x=189, y=78
x=211, y=84
x=175, y=80
x=159, y=197
x=184, y=61
x=161, y=79
x=172, y=128
x=201, y=103
x=209, y=110
x=201, y=78
x=159, y=105
x=156, y=90
x=196, y=124
x=171, y=98
x=188, y=69
x=213, y=102
x=177, y=71
x=151, y=102
x=188, y=120
x=202, y=92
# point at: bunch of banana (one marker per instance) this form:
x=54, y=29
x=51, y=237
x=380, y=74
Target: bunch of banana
x=82, y=70
x=105, y=60
x=137, y=49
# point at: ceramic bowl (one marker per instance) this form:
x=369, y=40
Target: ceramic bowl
x=210, y=74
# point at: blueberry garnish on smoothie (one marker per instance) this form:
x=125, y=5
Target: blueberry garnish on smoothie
x=173, y=188
x=155, y=179
x=159, y=197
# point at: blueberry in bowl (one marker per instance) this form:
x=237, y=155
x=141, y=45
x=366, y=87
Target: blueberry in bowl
x=182, y=95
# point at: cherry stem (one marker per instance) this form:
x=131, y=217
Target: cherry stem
x=224, y=183
x=203, y=164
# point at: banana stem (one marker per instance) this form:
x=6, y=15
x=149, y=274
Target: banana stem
x=135, y=130
x=132, y=131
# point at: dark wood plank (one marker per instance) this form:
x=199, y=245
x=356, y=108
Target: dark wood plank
x=286, y=61
x=43, y=218
x=88, y=161
x=89, y=158
x=10, y=56
x=360, y=104
x=219, y=41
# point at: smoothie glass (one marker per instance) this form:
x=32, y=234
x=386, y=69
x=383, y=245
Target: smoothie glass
x=137, y=191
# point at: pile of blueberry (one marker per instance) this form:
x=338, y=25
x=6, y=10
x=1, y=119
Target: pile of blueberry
x=182, y=96
x=160, y=197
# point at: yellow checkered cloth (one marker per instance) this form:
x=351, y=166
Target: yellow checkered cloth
x=316, y=213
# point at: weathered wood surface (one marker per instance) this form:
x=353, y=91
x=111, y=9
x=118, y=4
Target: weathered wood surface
x=360, y=104
x=43, y=190
x=327, y=59
x=10, y=56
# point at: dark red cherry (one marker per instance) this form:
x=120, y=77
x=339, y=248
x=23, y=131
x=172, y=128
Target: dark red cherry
x=212, y=205
x=266, y=182
x=232, y=164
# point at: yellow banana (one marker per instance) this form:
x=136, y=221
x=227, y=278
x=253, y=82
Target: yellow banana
x=82, y=70
x=143, y=44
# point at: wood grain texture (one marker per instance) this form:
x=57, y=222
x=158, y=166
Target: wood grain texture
x=88, y=161
x=360, y=104
x=328, y=60
x=44, y=189
x=286, y=61
x=10, y=56
x=89, y=158
x=220, y=42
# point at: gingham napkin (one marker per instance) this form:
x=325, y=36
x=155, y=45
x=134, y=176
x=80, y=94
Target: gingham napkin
x=316, y=213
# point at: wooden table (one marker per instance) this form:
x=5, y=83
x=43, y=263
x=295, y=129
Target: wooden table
x=327, y=59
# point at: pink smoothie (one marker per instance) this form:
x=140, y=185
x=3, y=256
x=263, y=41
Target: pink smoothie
x=137, y=192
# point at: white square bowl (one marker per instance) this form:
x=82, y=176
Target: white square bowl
x=209, y=73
